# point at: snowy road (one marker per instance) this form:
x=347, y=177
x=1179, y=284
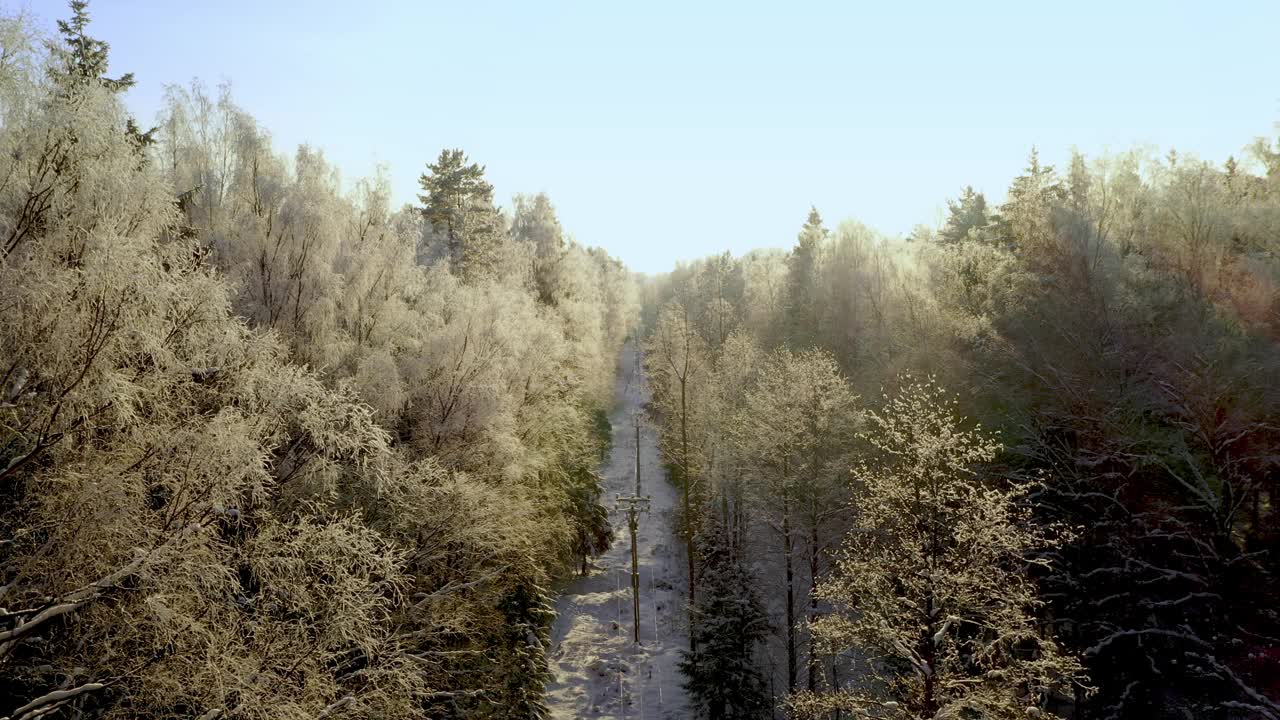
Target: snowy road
x=599, y=672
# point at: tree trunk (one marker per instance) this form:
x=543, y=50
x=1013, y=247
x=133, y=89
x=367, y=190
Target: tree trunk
x=929, y=656
x=813, y=602
x=686, y=481
x=791, y=595
x=835, y=682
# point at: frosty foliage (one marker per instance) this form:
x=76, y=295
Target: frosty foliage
x=1117, y=323
x=271, y=447
x=255, y=461
x=929, y=586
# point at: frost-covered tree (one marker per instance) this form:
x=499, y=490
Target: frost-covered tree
x=931, y=587
x=1025, y=219
x=738, y=366
x=276, y=225
x=720, y=284
x=765, y=295
x=534, y=222
x=791, y=434
x=180, y=523
x=678, y=361
x=1119, y=327
x=194, y=524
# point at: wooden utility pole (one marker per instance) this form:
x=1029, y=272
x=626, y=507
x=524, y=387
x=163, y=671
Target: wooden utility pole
x=637, y=421
x=635, y=504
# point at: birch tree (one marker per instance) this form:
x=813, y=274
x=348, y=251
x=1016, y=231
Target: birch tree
x=790, y=434
x=931, y=588
x=678, y=361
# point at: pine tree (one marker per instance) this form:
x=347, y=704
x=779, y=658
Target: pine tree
x=80, y=59
x=967, y=217
x=721, y=674
x=528, y=614
x=1078, y=183
x=592, y=533
x=458, y=206
x=1025, y=221
x=802, y=269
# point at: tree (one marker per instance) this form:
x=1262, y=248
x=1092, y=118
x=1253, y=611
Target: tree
x=932, y=587
x=524, y=670
x=803, y=314
x=721, y=674
x=1025, y=221
x=719, y=283
x=1119, y=327
x=677, y=358
x=764, y=274
x=736, y=369
x=82, y=59
x=967, y=217
x=592, y=533
x=458, y=205
x=791, y=431
x=1078, y=183
x=535, y=222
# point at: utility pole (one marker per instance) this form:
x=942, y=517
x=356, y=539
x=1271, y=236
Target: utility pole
x=635, y=504
x=637, y=421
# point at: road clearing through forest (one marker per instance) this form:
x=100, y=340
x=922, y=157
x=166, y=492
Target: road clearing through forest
x=599, y=672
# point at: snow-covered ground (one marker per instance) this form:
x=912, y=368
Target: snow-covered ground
x=599, y=671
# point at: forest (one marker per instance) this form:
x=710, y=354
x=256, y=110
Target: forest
x=271, y=447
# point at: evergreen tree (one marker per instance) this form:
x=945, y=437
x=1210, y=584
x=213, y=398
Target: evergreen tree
x=1025, y=220
x=79, y=59
x=528, y=614
x=591, y=531
x=458, y=206
x=1078, y=183
x=721, y=674
x=967, y=217
x=802, y=269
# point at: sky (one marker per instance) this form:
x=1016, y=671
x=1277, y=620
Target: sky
x=667, y=131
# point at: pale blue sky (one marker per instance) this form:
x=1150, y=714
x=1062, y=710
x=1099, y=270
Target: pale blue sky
x=673, y=130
